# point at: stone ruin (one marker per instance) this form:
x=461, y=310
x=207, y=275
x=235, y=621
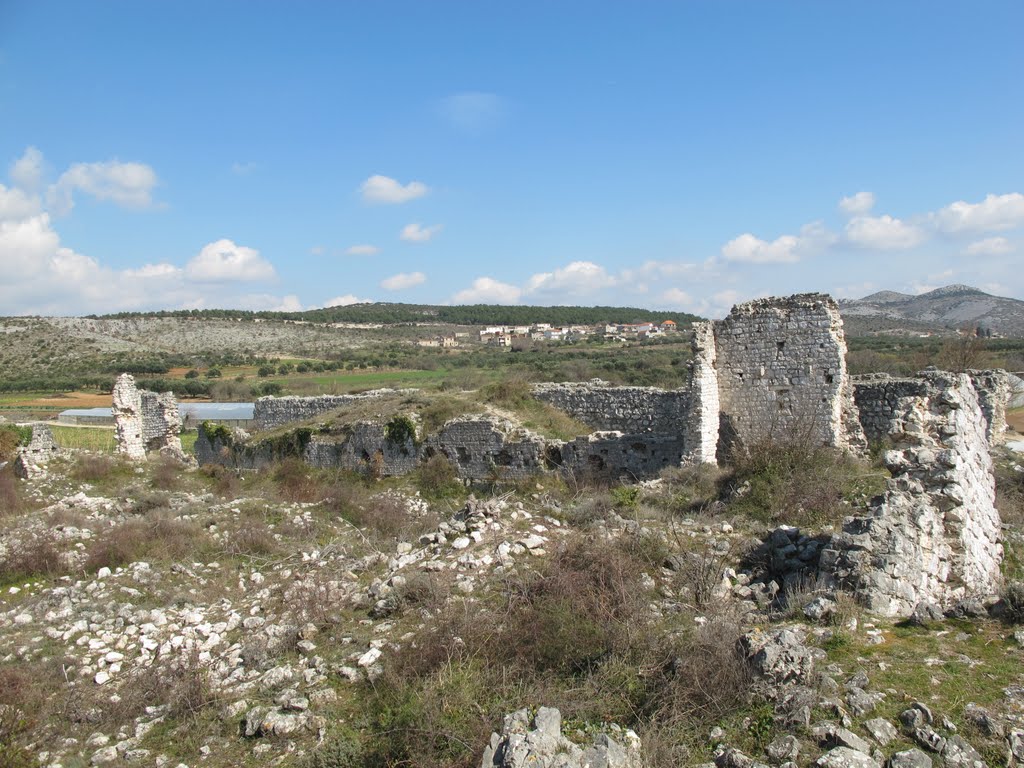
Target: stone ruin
x=934, y=536
x=773, y=370
x=32, y=459
x=146, y=422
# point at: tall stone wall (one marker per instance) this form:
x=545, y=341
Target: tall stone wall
x=127, y=407
x=701, y=430
x=145, y=421
x=781, y=367
x=935, y=534
x=626, y=409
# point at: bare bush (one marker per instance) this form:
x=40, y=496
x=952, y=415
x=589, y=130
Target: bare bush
x=296, y=481
x=94, y=467
x=35, y=557
x=157, y=536
x=11, y=501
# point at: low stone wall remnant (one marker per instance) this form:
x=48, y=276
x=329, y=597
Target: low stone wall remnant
x=32, y=459
x=603, y=407
x=271, y=412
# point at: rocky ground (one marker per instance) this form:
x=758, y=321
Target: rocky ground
x=155, y=615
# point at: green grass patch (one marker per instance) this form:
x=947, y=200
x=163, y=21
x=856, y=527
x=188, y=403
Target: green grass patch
x=85, y=438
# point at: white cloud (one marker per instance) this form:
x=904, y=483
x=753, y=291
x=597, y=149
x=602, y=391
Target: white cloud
x=27, y=170
x=317, y=250
x=883, y=233
x=16, y=204
x=259, y=302
x=155, y=270
x=403, y=281
x=995, y=212
x=858, y=204
x=990, y=246
x=383, y=189
x=224, y=260
x=675, y=297
x=362, y=250
x=575, y=279
x=127, y=184
x=346, y=300
x=750, y=249
x=416, y=233
x=487, y=290
x=472, y=112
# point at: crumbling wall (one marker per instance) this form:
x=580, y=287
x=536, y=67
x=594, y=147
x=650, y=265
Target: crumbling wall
x=993, y=388
x=486, y=448
x=935, y=534
x=127, y=407
x=886, y=403
x=270, y=412
x=366, y=448
x=626, y=409
x=700, y=434
x=615, y=456
x=32, y=459
x=781, y=365
x=145, y=421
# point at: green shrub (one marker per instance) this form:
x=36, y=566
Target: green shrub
x=400, y=430
x=11, y=437
x=800, y=484
x=626, y=496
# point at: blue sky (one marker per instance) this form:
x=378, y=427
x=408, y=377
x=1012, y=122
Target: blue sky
x=683, y=155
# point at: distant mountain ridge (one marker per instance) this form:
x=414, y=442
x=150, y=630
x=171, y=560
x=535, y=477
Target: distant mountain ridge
x=947, y=308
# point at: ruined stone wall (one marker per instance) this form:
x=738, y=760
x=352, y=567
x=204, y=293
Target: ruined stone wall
x=365, y=448
x=993, y=388
x=781, y=367
x=127, y=407
x=627, y=409
x=270, y=412
x=615, y=456
x=145, y=421
x=700, y=434
x=486, y=448
x=32, y=459
x=886, y=402
x=935, y=534
x=781, y=372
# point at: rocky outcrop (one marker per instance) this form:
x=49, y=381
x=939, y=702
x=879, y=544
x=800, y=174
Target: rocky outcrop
x=538, y=742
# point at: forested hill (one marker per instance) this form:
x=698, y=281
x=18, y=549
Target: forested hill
x=470, y=314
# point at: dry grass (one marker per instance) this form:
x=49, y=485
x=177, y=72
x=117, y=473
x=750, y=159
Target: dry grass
x=38, y=556
x=155, y=537
x=11, y=501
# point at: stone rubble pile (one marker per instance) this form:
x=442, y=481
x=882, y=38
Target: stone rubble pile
x=538, y=742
